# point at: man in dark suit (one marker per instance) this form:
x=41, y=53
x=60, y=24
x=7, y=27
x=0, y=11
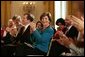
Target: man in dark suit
x=23, y=35
x=71, y=31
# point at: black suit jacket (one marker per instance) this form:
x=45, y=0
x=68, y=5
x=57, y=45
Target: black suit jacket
x=73, y=32
x=8, y=39
x=25, y=36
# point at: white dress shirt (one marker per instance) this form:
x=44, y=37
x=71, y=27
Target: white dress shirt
x=24, y=29
x=26, y=26
x=68, y=28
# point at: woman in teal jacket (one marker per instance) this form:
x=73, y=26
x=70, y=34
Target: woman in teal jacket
x=42, y=37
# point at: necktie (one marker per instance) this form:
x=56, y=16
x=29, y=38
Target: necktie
x=66, y=30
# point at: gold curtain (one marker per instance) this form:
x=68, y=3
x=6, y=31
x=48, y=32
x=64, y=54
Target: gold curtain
x=5, y=12
x=75, y=8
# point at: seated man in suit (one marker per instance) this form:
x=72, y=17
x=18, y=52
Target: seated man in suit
x=71, y=31
x=23, y=35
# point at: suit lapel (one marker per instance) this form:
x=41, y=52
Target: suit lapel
x=27, y=31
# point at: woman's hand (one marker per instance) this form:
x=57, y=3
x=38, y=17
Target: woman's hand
x=33, y=26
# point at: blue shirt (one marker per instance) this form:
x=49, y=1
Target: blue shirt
x=42, y=39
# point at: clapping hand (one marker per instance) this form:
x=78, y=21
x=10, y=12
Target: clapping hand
x=8, y=29
x=61, y=34
x=13, y=31
x=64, y=40
x=33, y=26
x=78, y=23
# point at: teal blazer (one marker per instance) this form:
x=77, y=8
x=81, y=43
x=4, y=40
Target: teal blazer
x=42, y=38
